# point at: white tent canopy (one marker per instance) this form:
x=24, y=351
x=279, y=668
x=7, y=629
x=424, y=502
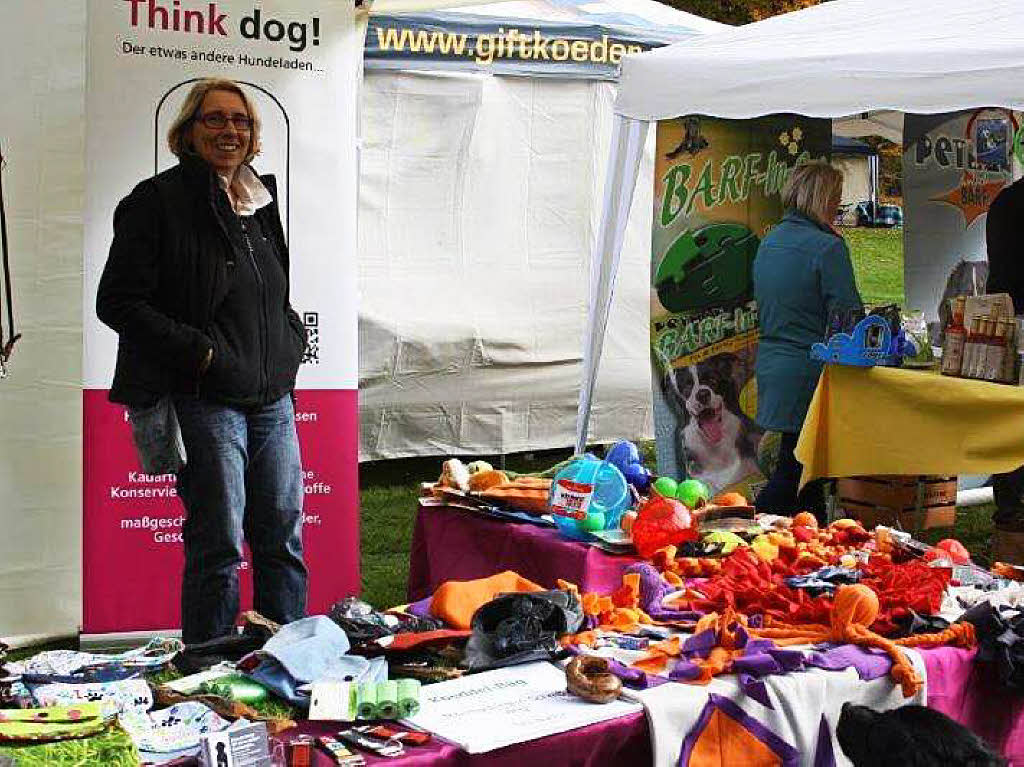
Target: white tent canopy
x=836, y=59
x=850, y=59
x=480, y=200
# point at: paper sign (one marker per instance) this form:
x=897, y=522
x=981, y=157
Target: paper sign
x=246, y=746
x=493, y=709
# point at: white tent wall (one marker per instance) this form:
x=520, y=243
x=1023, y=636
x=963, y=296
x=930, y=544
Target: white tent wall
x=856, y=177
x=42, y=136
x=475, y=263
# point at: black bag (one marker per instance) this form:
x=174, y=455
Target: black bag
x=519, y=628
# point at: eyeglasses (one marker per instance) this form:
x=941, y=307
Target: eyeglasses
x=218, y=120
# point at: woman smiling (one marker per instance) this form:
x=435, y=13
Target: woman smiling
x=196, y=286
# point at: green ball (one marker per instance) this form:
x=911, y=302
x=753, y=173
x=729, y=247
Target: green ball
x=666, y=487
x=691, y=491
x=593, y=522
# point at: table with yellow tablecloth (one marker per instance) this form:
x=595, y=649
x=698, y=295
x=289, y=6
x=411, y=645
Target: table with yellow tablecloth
x=894, y=421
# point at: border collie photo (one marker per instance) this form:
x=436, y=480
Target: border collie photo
x=718, y=440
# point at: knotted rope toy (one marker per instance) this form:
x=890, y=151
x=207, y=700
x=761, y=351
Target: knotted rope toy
x=854, y=609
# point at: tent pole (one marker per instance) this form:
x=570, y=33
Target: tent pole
x=625, y=153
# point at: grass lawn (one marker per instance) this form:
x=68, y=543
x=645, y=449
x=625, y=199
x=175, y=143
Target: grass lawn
x=877, y=256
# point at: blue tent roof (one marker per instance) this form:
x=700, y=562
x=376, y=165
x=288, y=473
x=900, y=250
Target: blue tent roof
x=843, y=145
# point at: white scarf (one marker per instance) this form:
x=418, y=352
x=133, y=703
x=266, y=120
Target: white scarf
x=248, y=194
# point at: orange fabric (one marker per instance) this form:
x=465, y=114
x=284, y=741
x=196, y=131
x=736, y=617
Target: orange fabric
x=658, y=654
x=526, y=493
x=454, y=602
x=672, y=579
x=725, y=741
x=628, y=594
x=854, y=609
x=719, y=660
x=584, y=639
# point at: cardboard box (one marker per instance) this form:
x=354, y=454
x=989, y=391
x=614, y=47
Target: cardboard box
x=892, y=500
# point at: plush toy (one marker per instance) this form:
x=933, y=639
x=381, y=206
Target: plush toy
x=454, y=474
x=662, y=522
x=625, y=456
x=485, y=479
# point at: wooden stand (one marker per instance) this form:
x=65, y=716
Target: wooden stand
x=905, y=502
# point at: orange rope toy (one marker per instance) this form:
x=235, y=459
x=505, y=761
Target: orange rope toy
x=854, y=609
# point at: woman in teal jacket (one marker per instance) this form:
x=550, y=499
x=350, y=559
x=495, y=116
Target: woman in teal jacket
x=802, y=273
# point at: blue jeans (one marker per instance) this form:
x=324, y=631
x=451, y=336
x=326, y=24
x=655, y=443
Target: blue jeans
x=242, y=482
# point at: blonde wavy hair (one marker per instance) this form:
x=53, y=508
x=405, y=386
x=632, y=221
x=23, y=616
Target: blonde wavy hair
x=179, y=136
x=812, y=189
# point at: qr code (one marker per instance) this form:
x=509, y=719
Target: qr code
x=311, y=320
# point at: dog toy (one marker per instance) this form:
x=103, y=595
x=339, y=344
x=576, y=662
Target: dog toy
x=590, y=677
x=805, y=519
x=952, y=549
x=693, y=493
x=661, y=522
x=625, y=456
x=855, y=608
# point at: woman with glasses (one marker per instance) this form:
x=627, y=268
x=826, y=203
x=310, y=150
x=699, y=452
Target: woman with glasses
x=196, y=286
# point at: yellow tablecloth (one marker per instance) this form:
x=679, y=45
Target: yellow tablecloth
x=894, y=421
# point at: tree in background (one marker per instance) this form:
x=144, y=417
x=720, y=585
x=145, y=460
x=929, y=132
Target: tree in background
x=739, y=11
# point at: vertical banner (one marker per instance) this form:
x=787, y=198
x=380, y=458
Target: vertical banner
x=299, y=60
x=716, y=194
x=954, y=165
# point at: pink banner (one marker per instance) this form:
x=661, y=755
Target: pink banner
x=132, y=549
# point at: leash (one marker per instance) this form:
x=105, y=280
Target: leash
x=6, y=347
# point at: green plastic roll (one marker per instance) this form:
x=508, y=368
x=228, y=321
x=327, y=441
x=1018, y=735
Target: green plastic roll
x=408, y=697
x=367, y=708
x=387, y=700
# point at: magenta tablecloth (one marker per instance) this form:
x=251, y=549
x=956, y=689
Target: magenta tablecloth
x=972, y=695
x=451, y=544
x=956, y=686
x=623, y=741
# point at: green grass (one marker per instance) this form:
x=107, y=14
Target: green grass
x=113, y=748
x=973, y=529
x=877, y=256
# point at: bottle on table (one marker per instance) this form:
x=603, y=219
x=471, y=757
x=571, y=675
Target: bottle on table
x=996, y=353
x=954, y=339
x=972, y=347
x=984, y=342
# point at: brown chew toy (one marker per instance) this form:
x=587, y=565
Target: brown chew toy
x=590, y=678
